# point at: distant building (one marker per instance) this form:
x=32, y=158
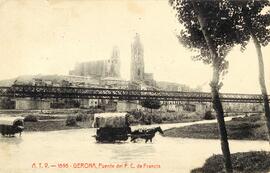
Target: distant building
x=170, y=86
x=113, y=64
x=137, y=72
x=81, y=81
x=113, y=82
x=93, y=68
x=99, y=68
x=137, y=60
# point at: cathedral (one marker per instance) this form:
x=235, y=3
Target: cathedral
x=99, y=68
x=137, y=72
x=109, y=69
x=137, y=60
x=113, y=64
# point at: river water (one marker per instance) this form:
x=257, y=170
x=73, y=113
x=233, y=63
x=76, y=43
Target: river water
x=33, y=151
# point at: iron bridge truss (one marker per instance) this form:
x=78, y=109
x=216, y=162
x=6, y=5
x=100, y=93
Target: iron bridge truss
x=47, y=92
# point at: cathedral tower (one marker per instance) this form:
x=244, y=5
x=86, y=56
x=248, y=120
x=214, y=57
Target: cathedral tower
x=137, y=61
x=113, y=64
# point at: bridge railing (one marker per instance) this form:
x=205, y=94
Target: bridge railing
x=20, y=91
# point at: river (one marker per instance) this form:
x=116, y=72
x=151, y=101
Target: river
x=70, y=148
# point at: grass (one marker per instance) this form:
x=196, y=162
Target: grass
x=247, y=162
x=52, y=125
x=247, y=128
x=52, y=122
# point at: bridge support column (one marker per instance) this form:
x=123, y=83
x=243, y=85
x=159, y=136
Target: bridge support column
x=31, y=104
x=201, y=108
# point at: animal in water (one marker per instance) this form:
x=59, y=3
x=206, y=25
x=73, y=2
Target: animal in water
x=147, y=134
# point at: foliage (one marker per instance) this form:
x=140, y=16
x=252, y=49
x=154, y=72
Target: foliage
x=209, y=29
x=212, y=28
x=151, y=104
x=71, y=121
x=249, y=19
x=157, y=119
x=229, y=22
x=255, y=24
x=222, y=24
x=82, y=116
x=7, y=103
x=208, y=115
x=31, y=118
x=192, y=36
x=247, y=128
x=255, y=161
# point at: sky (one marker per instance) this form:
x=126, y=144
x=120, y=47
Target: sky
x=51, y=36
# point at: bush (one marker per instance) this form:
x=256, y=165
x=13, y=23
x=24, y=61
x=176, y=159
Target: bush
x=31, y=118
x=47, y=117
x=71, y=121
x=254, y=161
x=80, y=117
x=147, y=119
x=208, y=115
x=157, y=118
x=251, y=118
x=84, y=116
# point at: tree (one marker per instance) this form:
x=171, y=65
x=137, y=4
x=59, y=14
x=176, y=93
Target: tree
x=253, y=24
x=151, y=104
x=209, y=29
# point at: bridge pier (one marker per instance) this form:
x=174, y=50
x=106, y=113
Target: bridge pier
x=31, y=104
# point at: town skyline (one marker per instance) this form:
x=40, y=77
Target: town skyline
x=78, y=33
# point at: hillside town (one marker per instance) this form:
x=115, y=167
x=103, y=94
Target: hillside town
x=103, y=74
x=106, y=74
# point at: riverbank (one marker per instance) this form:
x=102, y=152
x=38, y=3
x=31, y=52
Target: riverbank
x=247, y=162
x=243, y=128
x=54, y=121
x=53, y=125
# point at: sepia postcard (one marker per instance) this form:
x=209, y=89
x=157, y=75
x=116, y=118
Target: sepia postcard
x=145, y=86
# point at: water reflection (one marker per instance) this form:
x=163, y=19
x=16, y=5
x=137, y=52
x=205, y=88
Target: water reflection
x=72, y=146
x=15, y=140
x=128, y=152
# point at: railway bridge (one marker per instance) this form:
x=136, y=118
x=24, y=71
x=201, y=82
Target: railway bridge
x=47, y=92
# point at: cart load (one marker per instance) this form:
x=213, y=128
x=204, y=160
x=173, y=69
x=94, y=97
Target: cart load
x=111, y=127
x=110, y=120
x=9, y=126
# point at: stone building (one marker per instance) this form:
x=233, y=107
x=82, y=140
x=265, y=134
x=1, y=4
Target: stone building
x=170, y=86
x=113, y=64
x=99, y=68
x=93, y=68
x=137, y=59
x=137, y=71
x=114, y=82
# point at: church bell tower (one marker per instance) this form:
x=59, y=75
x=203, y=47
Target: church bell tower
x=137, y=60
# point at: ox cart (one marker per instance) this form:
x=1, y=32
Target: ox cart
x=9, y=126
x=112, y=127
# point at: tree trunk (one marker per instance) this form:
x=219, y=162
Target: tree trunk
x=262, y=83
x=220, y=118
x=215, y=91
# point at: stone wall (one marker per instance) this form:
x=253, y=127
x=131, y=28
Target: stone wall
x=29, y=104
x=124, y=106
